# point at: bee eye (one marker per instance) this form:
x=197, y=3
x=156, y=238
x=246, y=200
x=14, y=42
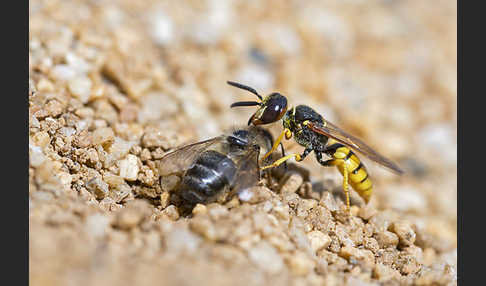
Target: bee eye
x=276, y=106
x=238, y=138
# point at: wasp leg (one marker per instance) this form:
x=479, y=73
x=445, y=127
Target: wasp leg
x=283, y=155
x=287, y=133
x=298, y=158
x=325, y=163
x=345, y=187
x=336, y=162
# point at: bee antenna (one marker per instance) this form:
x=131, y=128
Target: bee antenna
x=247, y=88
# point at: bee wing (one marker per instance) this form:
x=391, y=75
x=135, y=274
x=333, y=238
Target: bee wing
x=182, y=158
x=331, y=130
x=248, y=172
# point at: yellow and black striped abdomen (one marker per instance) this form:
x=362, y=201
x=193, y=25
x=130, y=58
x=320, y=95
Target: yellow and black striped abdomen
x=357, y=173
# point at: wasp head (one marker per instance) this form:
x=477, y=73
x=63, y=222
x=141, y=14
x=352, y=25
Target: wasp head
x=270, y=109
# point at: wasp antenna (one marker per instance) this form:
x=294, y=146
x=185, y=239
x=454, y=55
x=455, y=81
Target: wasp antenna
x=247, y=88
x=245, y=103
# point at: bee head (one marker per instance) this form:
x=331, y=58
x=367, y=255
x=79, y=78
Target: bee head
x=239, y=138
x=270, y=109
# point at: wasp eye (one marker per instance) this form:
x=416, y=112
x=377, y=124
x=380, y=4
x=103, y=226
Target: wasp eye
x=275, y=107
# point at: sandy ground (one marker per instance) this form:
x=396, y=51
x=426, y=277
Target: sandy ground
x=114, y=85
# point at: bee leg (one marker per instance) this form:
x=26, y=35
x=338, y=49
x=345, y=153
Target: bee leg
x=287, y=133
x=297, y=157
x=334, y=162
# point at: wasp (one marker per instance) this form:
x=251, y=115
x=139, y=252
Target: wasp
x=221, y=165
x=317, y=134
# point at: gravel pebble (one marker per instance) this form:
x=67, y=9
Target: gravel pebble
x=171, y=212
x=36, y=156
x=318, y=240
x=299, y=263
x=404, y=232
x=385, y=273
x=362, y=255
x=156, y=106
x=97, y=225
x=181, y=241
x=131, y=215
x=255, y=195
x=199, y=209
x=266, y=257
x=367, y=212
x=217, y=211
x=120, y=148
x=129, y=168
x=103, y=136
x=328, y=201
x=386, y=239
x=291, y=183
x=63, y=72
x=98, y=187
x=80, y=87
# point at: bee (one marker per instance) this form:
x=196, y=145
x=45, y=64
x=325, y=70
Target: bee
x=225, y=164
x=317, y=134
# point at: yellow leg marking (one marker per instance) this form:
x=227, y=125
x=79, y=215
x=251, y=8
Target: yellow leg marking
x=281, y=160
x=287, y=133
x=345, y=186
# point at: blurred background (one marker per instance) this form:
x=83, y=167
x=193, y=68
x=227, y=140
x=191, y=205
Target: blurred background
x=385, y=71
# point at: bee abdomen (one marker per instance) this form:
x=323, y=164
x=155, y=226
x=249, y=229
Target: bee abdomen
x=211, y=172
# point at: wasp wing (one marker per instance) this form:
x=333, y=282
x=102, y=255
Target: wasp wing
x=331, y=130
x=248, y=171
x=181, y=159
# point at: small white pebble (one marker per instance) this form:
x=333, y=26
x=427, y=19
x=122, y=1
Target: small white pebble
x=79, y=64
x=300, y=264
x=98, y=187
x=266, y=257
x=80, y=87
x=129, y=168
x=181, y=240
x=63, y=72
x=68, y=131
x=162, y=27
x=318, y=240
x=36, y=156
x=292, y=182
x=81, y=125
x=245, y=195
x=120, y=148
x=155, y=106
x=103, y=136
x=96, y=225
